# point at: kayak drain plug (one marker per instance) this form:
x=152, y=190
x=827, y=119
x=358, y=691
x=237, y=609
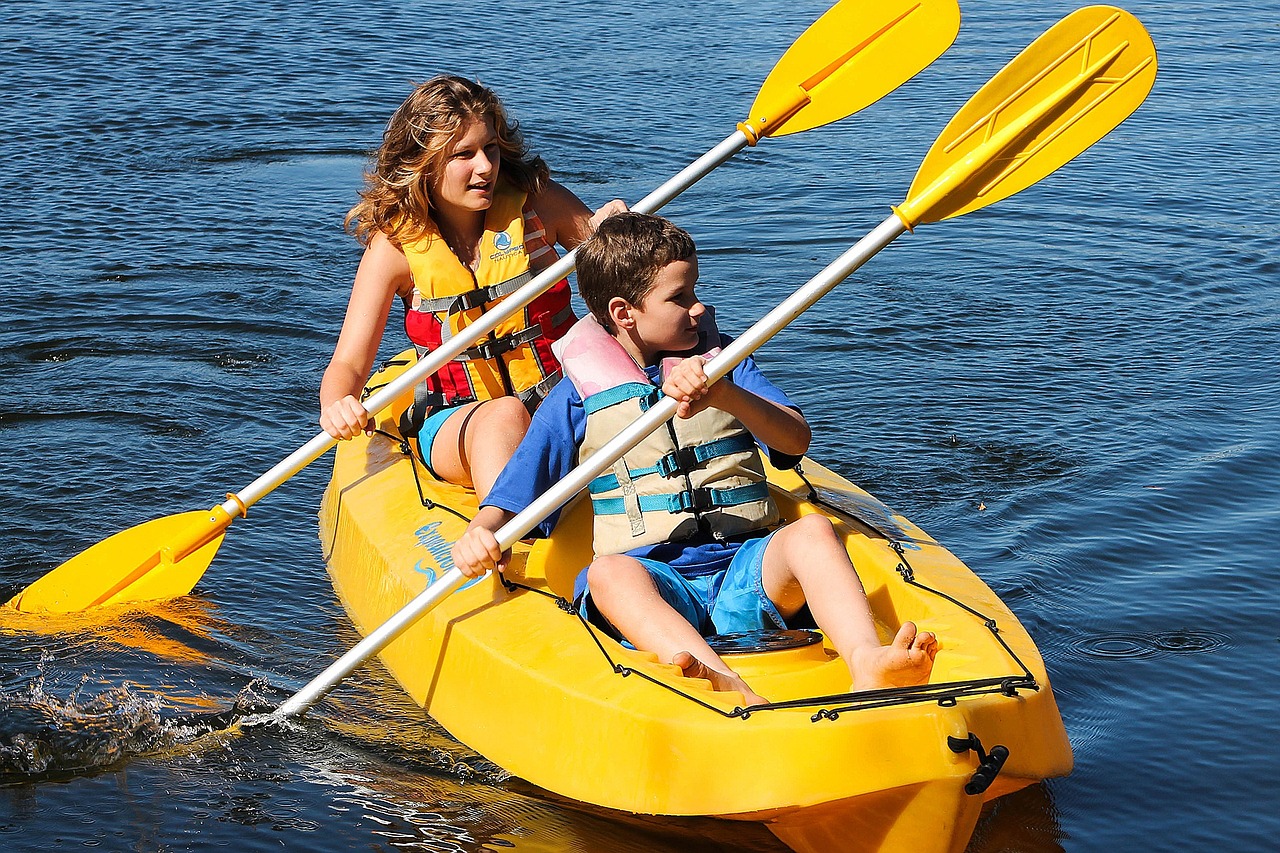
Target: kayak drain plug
x=989, y=763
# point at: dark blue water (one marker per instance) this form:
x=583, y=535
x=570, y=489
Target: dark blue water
x=1076, y=390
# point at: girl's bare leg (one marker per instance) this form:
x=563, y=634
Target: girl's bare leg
x=475, y=443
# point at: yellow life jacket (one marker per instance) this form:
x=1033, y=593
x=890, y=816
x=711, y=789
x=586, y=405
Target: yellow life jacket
x=693, y=475
x=516, y=358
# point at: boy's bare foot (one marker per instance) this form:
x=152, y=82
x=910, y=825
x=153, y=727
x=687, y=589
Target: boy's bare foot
x=691, y=667
x=906, y=661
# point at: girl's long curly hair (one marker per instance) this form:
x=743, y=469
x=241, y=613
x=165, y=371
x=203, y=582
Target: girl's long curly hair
x=396, y=199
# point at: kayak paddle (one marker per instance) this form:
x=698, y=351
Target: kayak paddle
x=855, y=54
x=1064, y=92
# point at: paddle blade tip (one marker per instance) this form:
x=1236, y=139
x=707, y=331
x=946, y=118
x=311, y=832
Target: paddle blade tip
x=136, y=564
x=852, y=56
x=1069, y=88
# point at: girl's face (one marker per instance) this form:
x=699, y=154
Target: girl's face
x=466, y=180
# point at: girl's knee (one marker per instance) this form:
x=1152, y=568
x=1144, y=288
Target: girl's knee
x=507, y=412
x=492, y=432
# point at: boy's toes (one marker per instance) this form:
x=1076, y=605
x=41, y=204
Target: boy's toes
x=906, y=637
x=690, y=667
x=926, y=642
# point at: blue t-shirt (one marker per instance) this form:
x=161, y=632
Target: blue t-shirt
x=549, y=451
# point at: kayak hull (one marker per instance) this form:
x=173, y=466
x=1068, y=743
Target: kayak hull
x=507, y=670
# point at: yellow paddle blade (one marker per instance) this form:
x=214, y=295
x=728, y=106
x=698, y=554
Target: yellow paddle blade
x=159, y=559
x=855, y=54
x=1066, y=91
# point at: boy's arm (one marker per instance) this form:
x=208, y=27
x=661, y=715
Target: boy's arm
x=477, y=551
x=777, y=426
x=545, y=454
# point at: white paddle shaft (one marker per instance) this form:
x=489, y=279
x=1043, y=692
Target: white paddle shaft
x=577, y=479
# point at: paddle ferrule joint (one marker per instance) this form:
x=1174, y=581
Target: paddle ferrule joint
x=772, y=114
x=749, y=132
x=907, y=221
x=233, y=498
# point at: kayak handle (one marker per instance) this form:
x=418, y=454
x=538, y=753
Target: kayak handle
x=989, y=763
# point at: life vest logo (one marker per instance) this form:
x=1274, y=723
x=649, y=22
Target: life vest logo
x=504, y=245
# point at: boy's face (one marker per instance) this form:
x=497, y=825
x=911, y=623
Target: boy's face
x=667, y=318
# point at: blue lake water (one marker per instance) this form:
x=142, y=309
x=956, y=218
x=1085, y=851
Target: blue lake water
x=1076, y=390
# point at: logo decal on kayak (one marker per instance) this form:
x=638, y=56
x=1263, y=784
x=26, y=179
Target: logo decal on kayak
x=438, y=547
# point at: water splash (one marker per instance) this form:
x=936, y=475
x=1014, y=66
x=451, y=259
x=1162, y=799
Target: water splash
x=44, y=736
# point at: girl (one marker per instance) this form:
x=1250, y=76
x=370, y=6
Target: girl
x=455, y=215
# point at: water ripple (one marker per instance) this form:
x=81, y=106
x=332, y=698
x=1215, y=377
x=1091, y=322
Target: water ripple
x=1149, y=645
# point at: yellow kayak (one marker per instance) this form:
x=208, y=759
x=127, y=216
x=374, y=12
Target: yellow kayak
x=509, y=670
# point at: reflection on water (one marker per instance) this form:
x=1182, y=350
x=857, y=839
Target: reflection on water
x=185, y=630
x=1023, y=820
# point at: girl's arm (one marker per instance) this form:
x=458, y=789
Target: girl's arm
x=567, y=219
x=383, y=273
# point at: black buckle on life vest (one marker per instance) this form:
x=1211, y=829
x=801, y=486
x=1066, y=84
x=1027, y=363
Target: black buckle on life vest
x=697, y=500
x=477, y=298
x=490, y=349
x=679, y=461
x=493, y=349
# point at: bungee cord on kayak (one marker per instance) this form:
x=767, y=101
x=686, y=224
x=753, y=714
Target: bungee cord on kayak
x=944, y=693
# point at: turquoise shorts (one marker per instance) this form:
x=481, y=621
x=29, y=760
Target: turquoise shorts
x=719, y=602
x=427, y=434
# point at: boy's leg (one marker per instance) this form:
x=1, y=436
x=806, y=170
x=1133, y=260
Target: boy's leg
x=806, y=562
x=625, y=593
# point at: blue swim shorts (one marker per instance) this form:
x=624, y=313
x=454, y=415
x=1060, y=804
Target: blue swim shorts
x=427, y=434
x=719, y=602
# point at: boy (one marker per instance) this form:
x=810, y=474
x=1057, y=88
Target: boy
x=681, y=522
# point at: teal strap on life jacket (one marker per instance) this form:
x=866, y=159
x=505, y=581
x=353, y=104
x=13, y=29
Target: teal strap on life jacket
x=680, y=461
x=688, y=458
x=609, y=482
x=699, y=500
x=646, y=393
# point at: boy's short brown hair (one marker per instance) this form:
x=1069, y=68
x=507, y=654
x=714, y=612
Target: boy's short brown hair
x=624, y=257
